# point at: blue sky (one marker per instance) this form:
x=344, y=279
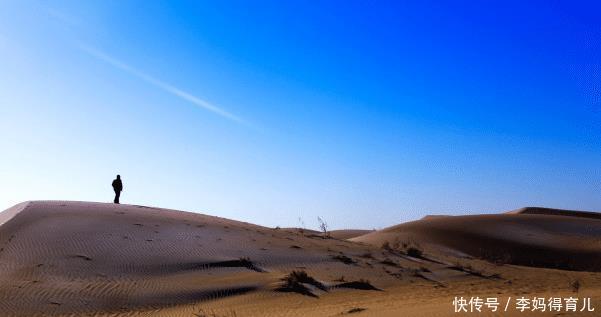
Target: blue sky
x=366, y=113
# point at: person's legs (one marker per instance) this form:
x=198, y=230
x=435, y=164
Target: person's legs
x=117, y=194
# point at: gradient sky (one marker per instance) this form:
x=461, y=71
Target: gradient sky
x=366, y=113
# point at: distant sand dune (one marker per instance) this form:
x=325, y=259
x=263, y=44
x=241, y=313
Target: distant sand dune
x=556, y=212
x=530, y=236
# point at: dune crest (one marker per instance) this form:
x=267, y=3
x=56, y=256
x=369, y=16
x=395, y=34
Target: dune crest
x=9, y=213
x=555, y=212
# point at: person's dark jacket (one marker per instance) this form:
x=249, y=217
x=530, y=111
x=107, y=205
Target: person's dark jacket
x=117, y=185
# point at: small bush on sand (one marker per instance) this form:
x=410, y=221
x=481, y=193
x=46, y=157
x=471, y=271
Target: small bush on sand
x=389, y=262
x=344, y=259
x=469, y=269
x=410, y=248
x=243, y=262
x=323, y=226
x=295, y=282
x=360, y=284
x=414, y=252
x=386, y=246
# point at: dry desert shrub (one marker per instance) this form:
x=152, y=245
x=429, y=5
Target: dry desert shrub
x=323, y=226
x=297, y=282
x=344, y=259
x=355, y=310
x=409, y=247
x=414, y=252
x=361, y=284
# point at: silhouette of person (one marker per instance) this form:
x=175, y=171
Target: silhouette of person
x=117, y=187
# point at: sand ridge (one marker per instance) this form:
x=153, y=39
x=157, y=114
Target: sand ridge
x=9, y=213
x=556, y=212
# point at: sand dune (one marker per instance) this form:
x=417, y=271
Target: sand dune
x=556, y=212
x=95, y=259
x=530, y=236
x=83, y=257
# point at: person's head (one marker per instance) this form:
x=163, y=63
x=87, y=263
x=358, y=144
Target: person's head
x=118, y=176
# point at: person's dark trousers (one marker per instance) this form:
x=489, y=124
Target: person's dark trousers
x=117, y=194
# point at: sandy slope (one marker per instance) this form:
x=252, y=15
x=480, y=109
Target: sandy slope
x=95, y=259
x=348, y=233
x=531, y=236
x=9, y=213
x=556, y=212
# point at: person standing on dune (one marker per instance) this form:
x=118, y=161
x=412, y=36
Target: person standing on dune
x=117, y=187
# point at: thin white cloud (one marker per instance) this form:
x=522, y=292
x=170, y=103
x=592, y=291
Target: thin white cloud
x=67, y=20
x=160, y=84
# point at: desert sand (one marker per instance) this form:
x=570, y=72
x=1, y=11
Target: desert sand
x=60, y=258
